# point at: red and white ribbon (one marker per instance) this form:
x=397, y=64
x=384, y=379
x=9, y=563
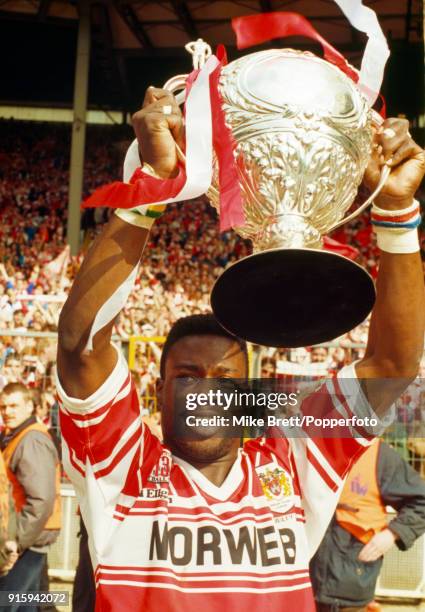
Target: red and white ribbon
x=205, y=125
x=205, y=129
x=198, y=139
x=254, y=29
x=376, y=51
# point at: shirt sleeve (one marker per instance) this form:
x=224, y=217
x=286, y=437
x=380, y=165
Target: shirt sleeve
x=105, y=443
x=324, y=455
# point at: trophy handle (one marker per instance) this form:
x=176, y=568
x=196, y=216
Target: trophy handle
x=384, y=175
x=177, y=83
x=377, y=120
x=173, y=85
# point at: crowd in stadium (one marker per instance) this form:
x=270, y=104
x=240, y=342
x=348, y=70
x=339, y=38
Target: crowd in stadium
x=186, y=252
x=310, y=513
x=185, y=255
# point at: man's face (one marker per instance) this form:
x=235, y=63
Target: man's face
x=37, y=317
x=190, y=360
x=18, y=317
x=15, y=408
x=319, y=355
x=268, y=370
x=12, y=370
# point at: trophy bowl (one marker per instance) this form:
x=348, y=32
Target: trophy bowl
x=303, y=134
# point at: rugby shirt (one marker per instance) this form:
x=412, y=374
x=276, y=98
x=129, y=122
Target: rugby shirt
x=164, y=538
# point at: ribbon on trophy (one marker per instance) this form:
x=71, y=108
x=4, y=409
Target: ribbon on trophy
x=205, y=125
x=192, y=181
x=255, y=29
x=205, y=130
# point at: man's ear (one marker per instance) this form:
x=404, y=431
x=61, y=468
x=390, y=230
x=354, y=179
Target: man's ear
x=159, y=392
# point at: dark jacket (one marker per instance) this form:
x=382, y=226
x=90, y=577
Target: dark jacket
x=338, y=577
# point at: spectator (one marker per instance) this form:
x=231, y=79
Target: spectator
x=268, y=367
x=186, y=252
x=345, y=568
x=319, y=354
x=8, y=545
x=33, y=470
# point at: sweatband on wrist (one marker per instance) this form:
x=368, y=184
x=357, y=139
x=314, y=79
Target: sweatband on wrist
x=144, y=215
x=390, y=241
x=396, y=230
x=407, y=218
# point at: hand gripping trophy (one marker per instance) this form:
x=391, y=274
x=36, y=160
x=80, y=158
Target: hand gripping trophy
x=304, y=136
x=303, y=132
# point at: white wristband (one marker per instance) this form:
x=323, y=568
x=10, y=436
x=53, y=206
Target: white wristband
x=396, y=213
x=135, y=218
x=391, y=241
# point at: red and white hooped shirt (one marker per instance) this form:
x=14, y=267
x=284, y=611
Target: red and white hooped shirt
x=163, y=538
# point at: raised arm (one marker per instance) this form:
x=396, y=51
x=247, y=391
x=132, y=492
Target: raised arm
x=397, y=327
x=108, y=266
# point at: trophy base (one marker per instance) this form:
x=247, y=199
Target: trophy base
x=292, y=297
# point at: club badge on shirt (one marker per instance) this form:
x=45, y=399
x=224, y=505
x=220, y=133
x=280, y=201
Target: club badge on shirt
x=277, y=486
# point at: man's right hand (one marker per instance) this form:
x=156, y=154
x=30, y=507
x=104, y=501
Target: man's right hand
x=157, y=133
x=111, y=260
x=11, y=556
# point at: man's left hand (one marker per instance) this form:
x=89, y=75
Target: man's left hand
x=377, y=546
x=393, y=145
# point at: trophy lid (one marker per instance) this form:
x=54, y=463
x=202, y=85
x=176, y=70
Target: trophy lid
x=291, y=82
x=285, y=77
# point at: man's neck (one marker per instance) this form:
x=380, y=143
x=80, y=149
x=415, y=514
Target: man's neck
x=216, y=470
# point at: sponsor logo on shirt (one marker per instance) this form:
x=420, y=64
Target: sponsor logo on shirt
x=161, y=471
x=148, y=493
x=208, y=545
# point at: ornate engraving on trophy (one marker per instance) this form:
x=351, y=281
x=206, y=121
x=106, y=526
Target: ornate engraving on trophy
x=302, y=133
x=303, y=143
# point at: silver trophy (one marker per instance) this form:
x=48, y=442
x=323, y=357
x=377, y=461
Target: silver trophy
x=303, y=132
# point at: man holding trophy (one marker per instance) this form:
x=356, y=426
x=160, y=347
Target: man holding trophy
x=210, y=523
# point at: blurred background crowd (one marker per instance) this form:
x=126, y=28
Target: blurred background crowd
x=185, y=254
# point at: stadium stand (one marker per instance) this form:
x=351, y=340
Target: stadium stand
x=186, y=254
